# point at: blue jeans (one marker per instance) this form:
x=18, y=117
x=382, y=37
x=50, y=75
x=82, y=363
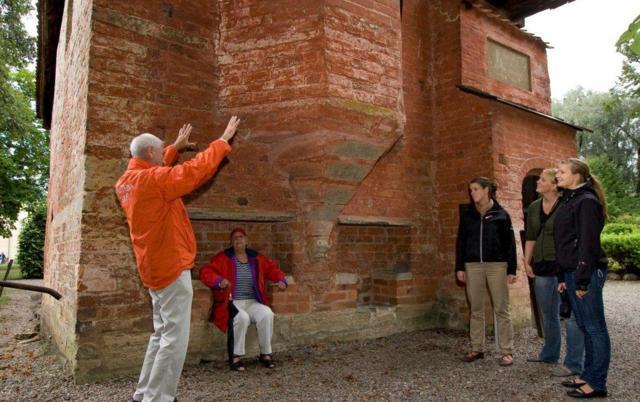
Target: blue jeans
x=549, y=303
x=589, y=313
x=574, y=359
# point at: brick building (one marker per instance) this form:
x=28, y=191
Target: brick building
x=362, y=122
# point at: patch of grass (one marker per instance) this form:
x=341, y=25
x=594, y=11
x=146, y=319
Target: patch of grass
x=13, y=275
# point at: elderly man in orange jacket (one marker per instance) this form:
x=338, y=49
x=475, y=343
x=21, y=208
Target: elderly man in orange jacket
x=165, y=247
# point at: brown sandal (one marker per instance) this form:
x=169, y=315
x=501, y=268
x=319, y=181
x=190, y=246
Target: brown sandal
x=472, y=356
x=506, y=360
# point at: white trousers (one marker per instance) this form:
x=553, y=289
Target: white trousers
x=168, y=344
x=251, y=311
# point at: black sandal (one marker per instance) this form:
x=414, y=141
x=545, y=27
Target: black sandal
x=580, y=393
x=573, y=383
x=236, y=366
x=266, y=361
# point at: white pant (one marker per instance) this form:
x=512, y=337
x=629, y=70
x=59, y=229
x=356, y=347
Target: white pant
x=252, y=311
x=168, y=344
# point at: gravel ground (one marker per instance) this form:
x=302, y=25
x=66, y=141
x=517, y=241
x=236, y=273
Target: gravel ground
x=413, y=366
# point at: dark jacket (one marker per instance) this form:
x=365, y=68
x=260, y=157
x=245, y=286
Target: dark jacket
x=487, y=238
x=577, y=229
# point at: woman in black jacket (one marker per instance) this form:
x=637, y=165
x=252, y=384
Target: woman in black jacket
x=486, y=255
x=577, y=227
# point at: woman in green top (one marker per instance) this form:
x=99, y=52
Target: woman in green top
x=540, y=264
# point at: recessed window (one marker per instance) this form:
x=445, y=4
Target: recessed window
x=508, y=65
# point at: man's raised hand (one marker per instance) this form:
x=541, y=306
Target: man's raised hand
x=182, y=142
x=230, y=131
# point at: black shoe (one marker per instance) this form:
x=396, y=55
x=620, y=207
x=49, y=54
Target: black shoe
x=267, y=361
x=572, y=383
x=579, y=393
x=236, y=366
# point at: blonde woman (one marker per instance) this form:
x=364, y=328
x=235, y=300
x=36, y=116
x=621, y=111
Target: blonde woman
x=577, y=227
x=541, y=265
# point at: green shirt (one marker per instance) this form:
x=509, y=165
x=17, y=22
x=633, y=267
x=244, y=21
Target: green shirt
x=545, y=249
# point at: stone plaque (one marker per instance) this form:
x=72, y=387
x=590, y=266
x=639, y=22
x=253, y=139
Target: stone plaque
x=508, y=65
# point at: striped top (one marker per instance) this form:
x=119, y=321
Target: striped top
x=244, y=282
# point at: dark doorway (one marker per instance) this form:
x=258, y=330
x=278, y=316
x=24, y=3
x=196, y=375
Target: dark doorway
x=529, y=194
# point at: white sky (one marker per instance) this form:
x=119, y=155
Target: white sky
x=583, y=34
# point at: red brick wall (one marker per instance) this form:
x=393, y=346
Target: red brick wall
x=476, y=27
x=362, y=63
x=522, y=142
x=267, y=56
x=446, y=141
x=271, y=239
x=450, y=136
x=365, y=250
x=152, y=68
x=66, y=184
x=346, y=109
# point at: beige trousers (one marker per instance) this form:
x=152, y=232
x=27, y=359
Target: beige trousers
x=493, y=275
x=251, y=311
x=168, y=344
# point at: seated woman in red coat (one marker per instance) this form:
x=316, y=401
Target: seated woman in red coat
x=237, y=277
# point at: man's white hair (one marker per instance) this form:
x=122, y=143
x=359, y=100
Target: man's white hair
x=142, y=142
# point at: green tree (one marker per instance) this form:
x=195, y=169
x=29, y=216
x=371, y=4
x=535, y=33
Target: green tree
x=629, y=45
x=31, y=241
x=616, y=130
x=620, y=199
x=24, y=154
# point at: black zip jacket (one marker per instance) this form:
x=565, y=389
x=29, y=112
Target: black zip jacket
x=577, y=229
x=487, y=238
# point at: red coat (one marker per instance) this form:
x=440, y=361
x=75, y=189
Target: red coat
x=221, y=267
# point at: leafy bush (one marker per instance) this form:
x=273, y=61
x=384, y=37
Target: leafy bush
x=615, y=266
x=616, y=189
x=31, y=242
x=620, y=228
x=628, y=218
x=623, y=248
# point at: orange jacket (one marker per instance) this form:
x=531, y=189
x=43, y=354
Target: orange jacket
x=161, y=232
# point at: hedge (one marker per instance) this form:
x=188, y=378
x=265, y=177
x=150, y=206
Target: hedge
x=620, y=228
x=31, y=242
x=623, y=248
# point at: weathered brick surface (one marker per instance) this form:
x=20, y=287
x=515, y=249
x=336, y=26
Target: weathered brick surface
x=272, y=239
x=66, y=185
x=367, y=250
x=347, y=111
x=476, y=28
